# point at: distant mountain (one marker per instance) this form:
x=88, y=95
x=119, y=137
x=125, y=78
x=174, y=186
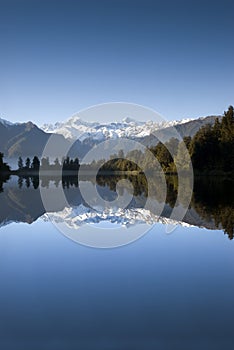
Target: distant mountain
x=5, y=122
x=27, y=139
x=189, y=128
x=88, y=134
x=75, y=128
x=23, y=139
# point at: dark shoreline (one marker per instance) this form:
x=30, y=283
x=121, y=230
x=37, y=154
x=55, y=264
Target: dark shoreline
x=66, y=173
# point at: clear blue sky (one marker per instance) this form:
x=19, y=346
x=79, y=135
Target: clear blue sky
x=61, y=56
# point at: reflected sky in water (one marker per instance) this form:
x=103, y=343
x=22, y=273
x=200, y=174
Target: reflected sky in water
x=162, y=291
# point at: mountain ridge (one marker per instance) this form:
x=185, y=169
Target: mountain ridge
x=75, y=127
x=27, y=139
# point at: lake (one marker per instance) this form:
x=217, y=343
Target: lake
x=169, y=285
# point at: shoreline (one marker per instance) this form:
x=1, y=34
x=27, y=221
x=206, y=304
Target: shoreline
x=59, y=173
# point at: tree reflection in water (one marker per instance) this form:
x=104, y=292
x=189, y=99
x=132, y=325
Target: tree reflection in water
x=212, y=200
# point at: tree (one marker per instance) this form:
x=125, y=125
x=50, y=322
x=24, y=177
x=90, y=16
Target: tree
x=45, y=163
x=66, y=163
x=182, y=158
x=76, y=164
x=27, y=163
x=172, y=146
x=20, y=163
x=204, y=148
x=212, y=146
x=217, y=129
x=163, y=155
x=227, y=126
x=187, y=141
x=35, y=182
x=57, y=165
x=35, y=163
x=20, y=181
x=3, y=166
x=227, y=140
x=27, y=182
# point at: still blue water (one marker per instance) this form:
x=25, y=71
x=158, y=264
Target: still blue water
x=160, y=292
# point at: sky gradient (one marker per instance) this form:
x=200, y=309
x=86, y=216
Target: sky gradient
x=58, y=57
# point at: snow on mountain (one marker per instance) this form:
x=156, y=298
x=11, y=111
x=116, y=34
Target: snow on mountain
x=5, y=122
x=75, y=217
x=76, y=128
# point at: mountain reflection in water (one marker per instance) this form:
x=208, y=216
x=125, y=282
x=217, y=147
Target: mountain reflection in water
x=211, y=205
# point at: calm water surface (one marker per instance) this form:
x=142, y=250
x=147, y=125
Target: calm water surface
x=160, y=292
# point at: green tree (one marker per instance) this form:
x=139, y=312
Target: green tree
x=204, y=148
x=187, y=141
x=172, y=146
x=182, y=158
x=227, y=140
x=227, y=126
x=212, y=147
x=163, y=155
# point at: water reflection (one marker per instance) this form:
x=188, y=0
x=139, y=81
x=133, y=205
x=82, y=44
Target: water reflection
x=211, y=205
x=3, y=179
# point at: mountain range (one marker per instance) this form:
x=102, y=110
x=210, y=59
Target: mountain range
x=75, y=128
x=25, y=205
x=27, y=139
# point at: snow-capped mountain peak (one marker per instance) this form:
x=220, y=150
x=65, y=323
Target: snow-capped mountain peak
x=76, y=128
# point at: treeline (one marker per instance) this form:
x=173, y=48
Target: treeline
x=67, y=164
x=210, y=150
x=212, y=198
x=212, y=147
x=136, y=160
x=155, y=158
x=35, y=182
